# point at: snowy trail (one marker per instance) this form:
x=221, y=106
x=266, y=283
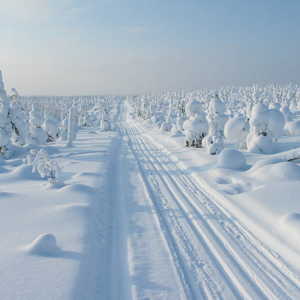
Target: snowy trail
x=214, y=256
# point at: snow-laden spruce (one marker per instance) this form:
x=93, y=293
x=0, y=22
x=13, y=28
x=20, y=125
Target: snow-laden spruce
x=196, y=126
x=214, y=141
x=266, y=126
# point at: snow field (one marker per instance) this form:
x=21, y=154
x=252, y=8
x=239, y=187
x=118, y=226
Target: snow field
x=190, y=195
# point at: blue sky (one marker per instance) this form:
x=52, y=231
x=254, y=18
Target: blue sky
x=131, y=46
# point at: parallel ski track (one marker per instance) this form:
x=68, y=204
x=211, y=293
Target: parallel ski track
x=214, y=255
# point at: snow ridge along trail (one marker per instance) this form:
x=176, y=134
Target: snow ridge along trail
x=214, y=256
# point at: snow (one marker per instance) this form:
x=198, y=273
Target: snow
x=281, y=171
x=64, y=211
x=292, y=222
x=259, y=195
x=132, y=213
x=231, y=159
x=193, y=107
x=236, y=129
x=44, y=245
x=293, y=128
x=261, y=144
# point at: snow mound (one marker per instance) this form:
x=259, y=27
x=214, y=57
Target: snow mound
x=282, y=171
x=231, y=159
x=265, y=162
x=24, y=172
x=44, y=245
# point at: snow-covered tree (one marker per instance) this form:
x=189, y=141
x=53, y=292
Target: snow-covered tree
x=72, y=126
x=19, y=120
x=105, y=120
x=195, y=129
x=266, y=125
x=37, y=134
x=46, y=167
x=5, y=121
x=51, y=127
x=214, y=141
x=236, y=130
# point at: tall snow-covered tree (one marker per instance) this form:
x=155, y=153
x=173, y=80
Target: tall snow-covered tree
x=216, y=117
x=5, y=121
x=37, y=133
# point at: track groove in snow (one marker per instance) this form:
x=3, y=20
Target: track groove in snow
x=215, y=256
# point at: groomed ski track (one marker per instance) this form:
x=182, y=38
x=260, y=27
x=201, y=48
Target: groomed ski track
x=201, y=250
x=215, y=256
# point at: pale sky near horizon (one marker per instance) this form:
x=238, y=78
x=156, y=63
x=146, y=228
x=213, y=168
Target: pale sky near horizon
x=67, y=47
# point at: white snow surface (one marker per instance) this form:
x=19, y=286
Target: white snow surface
x=231, y=159
x=139, y=216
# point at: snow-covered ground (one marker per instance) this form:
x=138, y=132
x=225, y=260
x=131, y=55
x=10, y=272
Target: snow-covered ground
x=139, y=216
x=263, y=194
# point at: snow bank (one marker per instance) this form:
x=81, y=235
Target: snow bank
x=282, y=171
x=231, y=159
x=265, y=162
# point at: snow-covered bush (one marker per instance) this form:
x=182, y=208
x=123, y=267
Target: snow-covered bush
x=46, y=167
x=266, y=125
x=214, y=144
x=195, y=129
x=30, y=157
x=37, y=133
x=236, y=130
